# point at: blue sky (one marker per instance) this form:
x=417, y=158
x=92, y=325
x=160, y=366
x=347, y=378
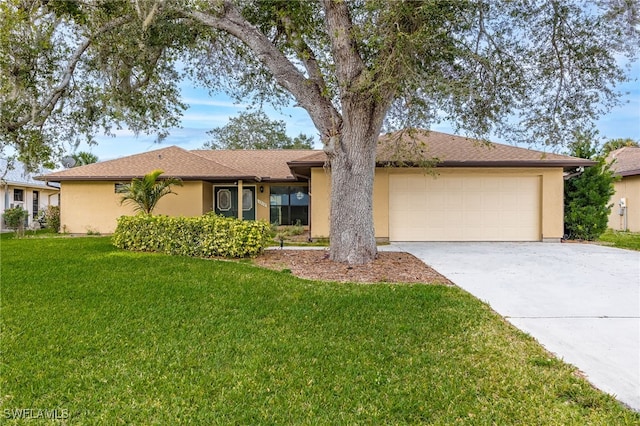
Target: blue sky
x=206, y=112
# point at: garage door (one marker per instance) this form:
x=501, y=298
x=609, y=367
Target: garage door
x=464, y=208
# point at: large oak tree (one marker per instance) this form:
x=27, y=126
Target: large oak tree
x=530, y=70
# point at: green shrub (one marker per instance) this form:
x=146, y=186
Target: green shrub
x=587, y=195
x=15, y=217
x=203, y=236
x=51, y=217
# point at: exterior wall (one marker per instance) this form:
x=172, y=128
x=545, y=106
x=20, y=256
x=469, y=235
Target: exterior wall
x=187, y=200
x=320, y=196
x=207, y=197
x=629, y=188
x=48, y=196
x=552, y=204
x=96, y=206
x=552, y=197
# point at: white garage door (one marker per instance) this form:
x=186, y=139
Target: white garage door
x=464, y=208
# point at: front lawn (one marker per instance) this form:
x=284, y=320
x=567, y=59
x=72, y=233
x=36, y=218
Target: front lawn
x=620, y=239
x=114, y=337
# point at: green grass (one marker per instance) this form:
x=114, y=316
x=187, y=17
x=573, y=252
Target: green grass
x=115, y=337
x=626, y=240
x=28, y=233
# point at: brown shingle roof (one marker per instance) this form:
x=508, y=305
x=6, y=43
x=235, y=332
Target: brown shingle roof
x=455, y=151
x=175, y=162
x=625, y=161
x=266, y=164
x=277, y=165
x=190, y=165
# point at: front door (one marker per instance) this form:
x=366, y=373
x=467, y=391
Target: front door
x=225, y=199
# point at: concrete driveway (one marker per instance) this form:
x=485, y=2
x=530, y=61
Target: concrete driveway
x=580, y=301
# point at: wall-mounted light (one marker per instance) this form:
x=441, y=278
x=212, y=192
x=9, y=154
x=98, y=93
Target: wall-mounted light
x=261, y=189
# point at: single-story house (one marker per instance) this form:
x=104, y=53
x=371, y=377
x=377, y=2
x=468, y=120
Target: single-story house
x=479, y=192
x=625, y=163
x=19, y=189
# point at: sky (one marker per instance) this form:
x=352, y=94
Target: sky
x=206, y=112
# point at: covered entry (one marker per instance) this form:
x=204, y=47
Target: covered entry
x=465, y=207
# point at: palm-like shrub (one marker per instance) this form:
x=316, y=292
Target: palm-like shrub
x=145, y=193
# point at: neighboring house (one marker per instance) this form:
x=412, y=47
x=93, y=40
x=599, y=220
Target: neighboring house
x=625, y=162
x=18, y=188
x=479, y=192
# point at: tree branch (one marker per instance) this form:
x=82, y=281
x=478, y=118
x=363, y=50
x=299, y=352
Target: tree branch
x=349, y=64
x=308, y=93
x=305, y=53
x=40, y=112
x=558, y=54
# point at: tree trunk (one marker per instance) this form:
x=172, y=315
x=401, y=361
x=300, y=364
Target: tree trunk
x=352, y=234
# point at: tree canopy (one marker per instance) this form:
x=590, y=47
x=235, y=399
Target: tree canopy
x=82, y=158
x=613, y=144
x=254, y=130
x=526, y=70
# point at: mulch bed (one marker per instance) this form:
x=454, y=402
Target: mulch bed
x=392, y=267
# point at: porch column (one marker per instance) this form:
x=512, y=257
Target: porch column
x=240, y=199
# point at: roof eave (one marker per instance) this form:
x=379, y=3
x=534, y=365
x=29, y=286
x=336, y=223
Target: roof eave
x=291, y=178
x=309, y=163
x=24, y=184
x=128, y=177
x=565, y=164
x=627, y=173
x=476, y=163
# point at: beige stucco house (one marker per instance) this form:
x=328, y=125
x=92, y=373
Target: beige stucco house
x=477, y=192
x=625, y=163
x=18, y=188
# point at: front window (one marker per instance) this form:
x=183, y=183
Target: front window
x=289, y=205
x=18, y=195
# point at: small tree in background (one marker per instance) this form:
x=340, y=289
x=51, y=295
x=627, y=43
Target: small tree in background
x=614, y=144
x=82, y=158
x=254, y=130
x=145, y=193
x=587, y=195
x=15, y=218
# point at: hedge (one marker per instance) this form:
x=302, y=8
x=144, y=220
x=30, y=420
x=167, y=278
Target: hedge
x=203, y=236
